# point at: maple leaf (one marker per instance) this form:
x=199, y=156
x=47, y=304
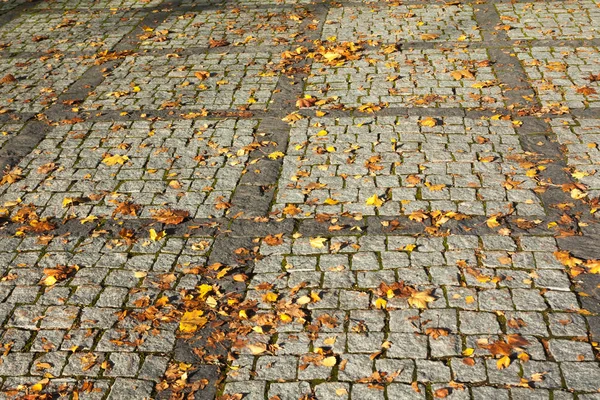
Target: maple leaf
x=57, y=274
x=12, y=176
x=169, y=216
x=127, y=208
x=435, y=333
x=218, y=43
x=306, y=101
x=586, y=90
x=191, y=321
x=420, y=299
x=202, y=75
x=318, y=242
x=291, y=209
x=111, y=160
x=8, y=78
x=292, y=118
x=463, y=73
x=429, y=122
x=566, y=259
x=156, y=236
x=274, y=240
x=503, y=362
x=374, y=201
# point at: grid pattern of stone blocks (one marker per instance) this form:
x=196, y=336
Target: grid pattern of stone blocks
x=581, y=138
x=411, y=22
x=154, y=82
x=73, y=30
x=75, y=330
x=551, y=19
x=238, y=26
x=468, y=166
x=409, y=78
x=563, y=76
x=193, y=166
x=97, y=4
x=35, y=83
x=370, y=220
x=485, y=288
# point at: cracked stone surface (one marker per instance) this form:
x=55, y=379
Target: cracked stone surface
x=299, y=199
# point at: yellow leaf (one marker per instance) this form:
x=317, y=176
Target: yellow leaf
x=430, y=122
x=579, y=174
x=492, y=222
x=374, y=201
x=303, y=300
x=468, y=351
x=140, y=274
x=113, y=160
x=381, y=304
x=331, y=202
x=270, y=297
x=191, y=321
x=275, y=155
x=318, y=242
x=204, y=289
x=87, y=219
x=258, y=348
x=285, y=317
x=155, y=237
x=49, y=281
x=329, y=361
x=429, y=36
x=420, y=299
x=68, y=201
x=578, y=194
x=322, y=133
x=503, y=362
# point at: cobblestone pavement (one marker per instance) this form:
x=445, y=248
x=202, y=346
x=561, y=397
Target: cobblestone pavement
x=299, y=199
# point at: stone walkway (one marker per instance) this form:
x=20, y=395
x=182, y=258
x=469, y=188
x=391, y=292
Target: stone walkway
x=299, y=199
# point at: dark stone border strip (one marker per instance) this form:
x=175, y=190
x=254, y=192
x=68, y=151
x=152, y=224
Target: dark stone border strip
x=498, y=43
x=258, y=227
x=14, y=12
x=114, y=115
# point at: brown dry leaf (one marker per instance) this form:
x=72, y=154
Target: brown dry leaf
x=8, y=78
x=586, y=90
x=127, y=208
x=463, y=73
x=218, y=43
x=435, y=333
x=202, y=75
x=169, y=216
x=441, y=393
x=274, y=240
x=305, y=102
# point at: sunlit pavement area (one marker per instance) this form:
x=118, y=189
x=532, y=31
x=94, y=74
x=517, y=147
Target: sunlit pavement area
x=299, y=199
